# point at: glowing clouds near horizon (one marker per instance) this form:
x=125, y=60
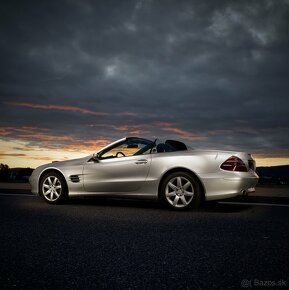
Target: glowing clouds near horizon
x=90, y=130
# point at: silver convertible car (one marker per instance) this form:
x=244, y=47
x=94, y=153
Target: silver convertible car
x=133, y=167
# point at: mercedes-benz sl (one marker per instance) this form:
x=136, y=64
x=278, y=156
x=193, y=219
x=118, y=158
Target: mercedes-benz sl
x=179, y=176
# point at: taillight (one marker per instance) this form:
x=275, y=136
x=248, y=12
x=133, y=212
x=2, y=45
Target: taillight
x=234, y=163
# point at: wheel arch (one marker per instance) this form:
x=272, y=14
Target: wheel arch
x=176, y=169
x=47, y=170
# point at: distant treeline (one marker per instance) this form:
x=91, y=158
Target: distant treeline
x=17, y=174
x=273, y=174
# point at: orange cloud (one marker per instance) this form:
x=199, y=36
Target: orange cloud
x=67, y=108
x=7, y=155
x=6, y=131
x=56, y=107
x=52, y=142
x=138, y=129
x=171, y=128
x=32, y=133
x=164, y=124
x=45, y=137
x=44, y=158
x=88, y=146
x=3, y=155
x=128, y=114
x=141, y=129
x=184, y=134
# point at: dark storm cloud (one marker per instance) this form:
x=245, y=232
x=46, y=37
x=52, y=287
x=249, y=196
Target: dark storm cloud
x=215, y=72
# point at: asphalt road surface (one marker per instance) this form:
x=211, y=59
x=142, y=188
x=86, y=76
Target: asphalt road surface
x=113, y=244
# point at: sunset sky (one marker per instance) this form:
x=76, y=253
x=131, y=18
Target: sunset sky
x=76, y=75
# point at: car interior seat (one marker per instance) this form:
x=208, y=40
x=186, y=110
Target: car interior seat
x=161, y=147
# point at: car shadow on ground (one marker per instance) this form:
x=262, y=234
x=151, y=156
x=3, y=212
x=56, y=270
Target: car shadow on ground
x=214, y=207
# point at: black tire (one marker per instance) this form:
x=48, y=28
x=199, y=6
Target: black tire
x=180, y=191
x=53, y=188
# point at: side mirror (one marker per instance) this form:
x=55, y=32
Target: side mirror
x=95, y=157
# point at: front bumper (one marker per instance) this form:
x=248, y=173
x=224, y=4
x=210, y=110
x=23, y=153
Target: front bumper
x=33, y=180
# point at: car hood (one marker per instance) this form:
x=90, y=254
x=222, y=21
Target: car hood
x=77, y=161
x=59, y=164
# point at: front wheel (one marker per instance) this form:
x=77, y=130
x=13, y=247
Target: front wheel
x=180, y=190
x=53, y=188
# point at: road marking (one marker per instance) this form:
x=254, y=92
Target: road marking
x=17, y=194
x=253, y=203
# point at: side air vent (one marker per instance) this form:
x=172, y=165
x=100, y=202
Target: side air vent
x=74, y=178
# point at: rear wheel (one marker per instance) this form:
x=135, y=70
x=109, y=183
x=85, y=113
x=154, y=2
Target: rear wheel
x=180, y=191
x=53, y=188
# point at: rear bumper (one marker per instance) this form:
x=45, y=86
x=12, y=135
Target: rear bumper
x=241, y=183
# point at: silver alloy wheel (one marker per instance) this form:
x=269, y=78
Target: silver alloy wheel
x=51, y=188
x=179, y=191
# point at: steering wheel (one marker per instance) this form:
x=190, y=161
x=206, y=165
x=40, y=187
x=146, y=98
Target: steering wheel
x=119, y=152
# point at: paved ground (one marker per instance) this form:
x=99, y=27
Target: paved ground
x=15, y=186
x=113, y=244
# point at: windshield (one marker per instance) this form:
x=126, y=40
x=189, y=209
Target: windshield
x=128, y=147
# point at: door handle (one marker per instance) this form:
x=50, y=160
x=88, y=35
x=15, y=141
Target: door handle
x=141, y=161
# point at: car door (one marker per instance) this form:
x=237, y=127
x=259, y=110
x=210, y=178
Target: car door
x=116, y=175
